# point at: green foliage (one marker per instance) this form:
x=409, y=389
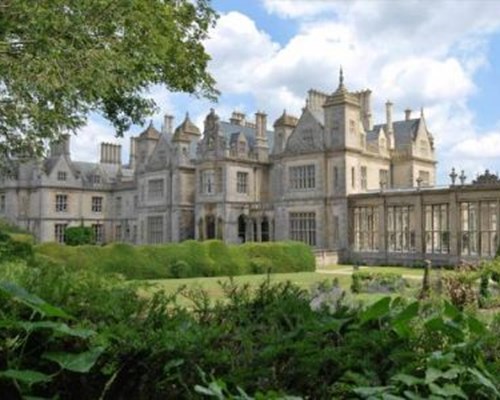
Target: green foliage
x=109, y=343
x=372, y=282
x=15, y=247
x=61, y=60
x=183, y=260
x=34, y=335
x=279, y=256
x=79, y=235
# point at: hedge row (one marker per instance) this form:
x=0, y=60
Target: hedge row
x=186, y=259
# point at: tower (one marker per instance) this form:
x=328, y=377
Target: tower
x=342, y=118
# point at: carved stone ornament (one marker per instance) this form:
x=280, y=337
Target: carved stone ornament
x=486, y=179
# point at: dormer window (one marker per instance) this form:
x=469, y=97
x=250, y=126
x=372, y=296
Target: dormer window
x=242, y=146
x=95, y=179
x=61, y=175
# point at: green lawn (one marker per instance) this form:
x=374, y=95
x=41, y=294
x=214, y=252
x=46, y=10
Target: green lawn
x=302, y=279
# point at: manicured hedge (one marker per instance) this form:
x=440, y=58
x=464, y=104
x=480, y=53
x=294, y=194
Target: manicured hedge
x=187, y=259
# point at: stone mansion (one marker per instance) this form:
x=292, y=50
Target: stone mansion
x=331, y=178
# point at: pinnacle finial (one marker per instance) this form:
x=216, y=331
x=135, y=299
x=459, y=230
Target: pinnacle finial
x=341, y=77
x=422, y=111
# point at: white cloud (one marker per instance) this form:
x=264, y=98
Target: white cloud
x=237, y=48
x=413, y=53
x=479, y=147
x=85, y=146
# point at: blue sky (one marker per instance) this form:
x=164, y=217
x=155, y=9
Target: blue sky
x=441, y=55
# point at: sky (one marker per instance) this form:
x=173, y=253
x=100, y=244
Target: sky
x=439, y=55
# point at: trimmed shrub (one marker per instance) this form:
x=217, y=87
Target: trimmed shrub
x=184, y=260
x=279, y=256
x=377, y=282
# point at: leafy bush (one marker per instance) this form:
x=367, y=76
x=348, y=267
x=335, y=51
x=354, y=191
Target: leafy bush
x=375, y=282
x=79, y=235
x=16, y=247
x=265, y=341
x=209, y=258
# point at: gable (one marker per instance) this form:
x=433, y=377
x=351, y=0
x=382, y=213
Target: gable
x=60, y=170
x=308, y=135
x=160, y=156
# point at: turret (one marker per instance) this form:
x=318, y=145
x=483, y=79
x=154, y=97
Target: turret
x=283, y=127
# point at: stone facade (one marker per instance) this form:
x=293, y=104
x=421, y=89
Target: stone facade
x=330, y=177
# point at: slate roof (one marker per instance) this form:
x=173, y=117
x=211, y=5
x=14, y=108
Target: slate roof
x=228, y=129
x=404, y=131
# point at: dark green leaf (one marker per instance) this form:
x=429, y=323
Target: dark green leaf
x=377, y=310
x=81, y=362
x=408, y=380
x=32, y=301
x=483, y=380
x=26, y=376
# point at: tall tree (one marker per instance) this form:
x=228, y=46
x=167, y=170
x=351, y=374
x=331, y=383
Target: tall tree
x=62, y=59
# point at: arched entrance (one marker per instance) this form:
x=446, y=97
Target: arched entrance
x=242, y=228
x=210, y=226
x=264, y=230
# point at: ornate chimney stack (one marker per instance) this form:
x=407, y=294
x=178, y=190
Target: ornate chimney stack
x=261, y=145
x=389, y=124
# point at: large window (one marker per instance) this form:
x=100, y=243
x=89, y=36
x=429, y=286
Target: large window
x=96, y=204
x=437, y=233
x=98, y=233
x=155, y=229
x=207, y=183
x=401, y=229
x=468, y=228
x=489, y=215
x=302, y=177
x=59, y=230
x=366, y=221
x=2, y=203
x=425, y=178
x=156, y=189
x=242, y=182
x=383, y=176
x=364, y=178
x=61, y=203
x=303, y=227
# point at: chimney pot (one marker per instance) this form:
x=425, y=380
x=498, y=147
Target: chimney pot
x=407, y=114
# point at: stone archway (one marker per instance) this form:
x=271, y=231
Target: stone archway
x=210, y=227
x=264, y=230
x=242, y=228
